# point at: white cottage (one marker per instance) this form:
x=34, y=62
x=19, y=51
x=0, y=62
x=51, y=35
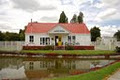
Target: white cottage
x=57, y=34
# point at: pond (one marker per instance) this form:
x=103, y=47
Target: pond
x=44, y=68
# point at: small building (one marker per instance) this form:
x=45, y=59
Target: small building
x=57, y=34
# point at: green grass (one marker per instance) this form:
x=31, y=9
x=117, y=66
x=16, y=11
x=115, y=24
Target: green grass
x=94, y=75
x=85, y=52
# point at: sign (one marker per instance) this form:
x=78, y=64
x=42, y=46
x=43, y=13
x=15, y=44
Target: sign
x=59, y=31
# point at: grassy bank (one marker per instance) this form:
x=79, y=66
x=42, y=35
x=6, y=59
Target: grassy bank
x=94, y=75
x=82, y=52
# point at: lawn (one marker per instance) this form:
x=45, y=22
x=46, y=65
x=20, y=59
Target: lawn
x=77, y=52
x=94, y=75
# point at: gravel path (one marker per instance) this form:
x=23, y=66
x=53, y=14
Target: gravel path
x=115, y=76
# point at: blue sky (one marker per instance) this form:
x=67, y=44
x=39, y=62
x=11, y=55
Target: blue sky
x=105, y=14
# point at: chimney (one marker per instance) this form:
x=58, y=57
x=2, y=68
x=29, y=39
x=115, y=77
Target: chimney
x=31, y=22
x=31, y=25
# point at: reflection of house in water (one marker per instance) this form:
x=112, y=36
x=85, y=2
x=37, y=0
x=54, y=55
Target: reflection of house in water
x=46, y=68
x=56, y=64
x=38, y=65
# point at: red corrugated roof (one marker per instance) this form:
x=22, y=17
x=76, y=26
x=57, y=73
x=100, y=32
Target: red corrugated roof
x=45, y=27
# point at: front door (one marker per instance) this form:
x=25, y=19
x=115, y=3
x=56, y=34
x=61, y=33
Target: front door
x=58, y=40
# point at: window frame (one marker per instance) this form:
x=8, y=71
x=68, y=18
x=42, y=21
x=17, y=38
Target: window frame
x=31, y=39
x=45, y=41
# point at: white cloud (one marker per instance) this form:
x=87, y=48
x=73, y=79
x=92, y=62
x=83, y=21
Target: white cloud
x=31, y=5
x=15, y=14
x=109, y=30
x=99, y=5
x=49, y=19
x=106, y=14
x=110, y=3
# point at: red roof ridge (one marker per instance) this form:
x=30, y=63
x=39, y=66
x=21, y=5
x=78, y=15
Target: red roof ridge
x=52, y=23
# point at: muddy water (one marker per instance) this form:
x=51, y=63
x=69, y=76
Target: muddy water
x=42, y=68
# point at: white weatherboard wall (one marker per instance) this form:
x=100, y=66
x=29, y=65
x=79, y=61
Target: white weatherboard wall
x=82, y=39
x=36, y=38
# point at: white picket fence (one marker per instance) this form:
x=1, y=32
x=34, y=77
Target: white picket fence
x=18, y=45
x=11, y=45
x=118, y=44
x=105, y=46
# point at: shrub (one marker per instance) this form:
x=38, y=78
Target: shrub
x=117, y=49
x=68, y=47
x=48, y=48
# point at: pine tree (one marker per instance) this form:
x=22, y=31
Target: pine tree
x=63, y=18
x=74, y=19
x=80, y=17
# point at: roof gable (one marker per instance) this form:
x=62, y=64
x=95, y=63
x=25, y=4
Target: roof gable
x=58, y=29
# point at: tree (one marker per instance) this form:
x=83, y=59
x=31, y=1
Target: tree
x=80, y=17
x=74, y=19
x=95, y=32
x=1, y=36
x=10, y=36
x=14, y=37
x=21, y=35
x=63, y=18
x=117, y=35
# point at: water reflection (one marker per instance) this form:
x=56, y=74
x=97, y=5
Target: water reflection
x=39, y=68
x=11, y=68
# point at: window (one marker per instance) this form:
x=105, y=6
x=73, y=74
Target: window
x=48, y=41
x=41, y=41
x=31, y=65
x=44, y=41
x=31, y=39
x=41, y=64
x=71, y=39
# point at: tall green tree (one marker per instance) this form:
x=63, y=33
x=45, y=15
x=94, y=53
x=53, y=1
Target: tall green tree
x=80, y=17
x=63, y=18
x=74, y=19
x=95, y=32
x=117, y=35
